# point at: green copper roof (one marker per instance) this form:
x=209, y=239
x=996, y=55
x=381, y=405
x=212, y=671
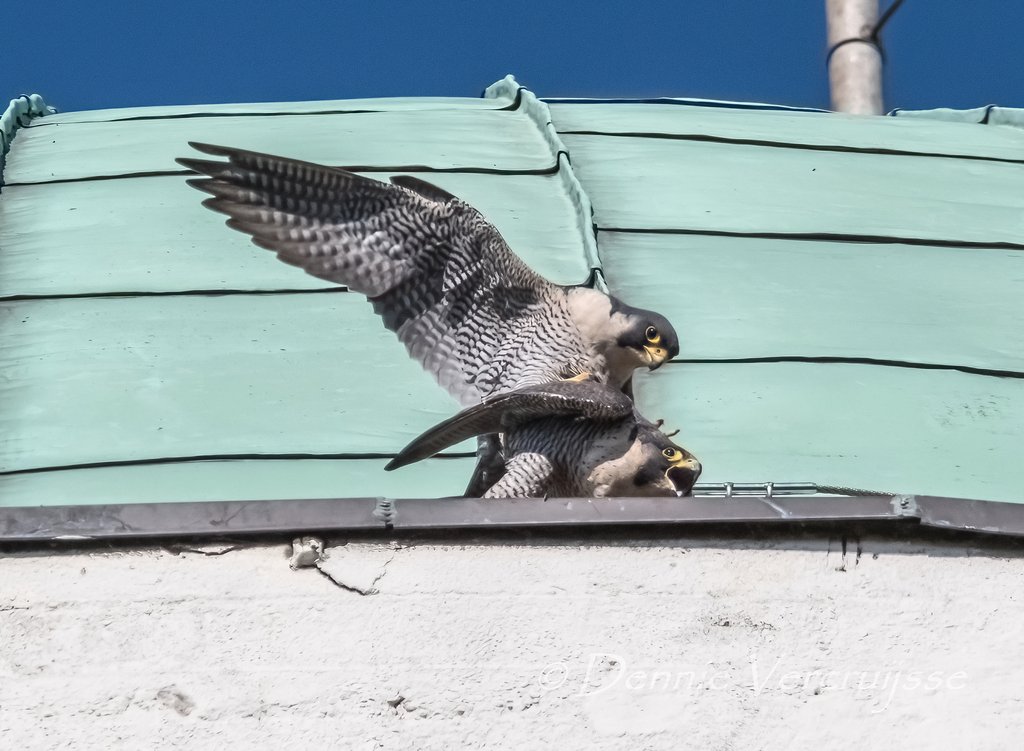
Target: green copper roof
x=140, y=334
x=129, y=235
x=858, y=425
x=847, y=291
x=751, y=297
x=639, y=183
x=781, y=128
x=450, y=139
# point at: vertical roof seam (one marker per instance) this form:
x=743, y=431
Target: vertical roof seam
x=17, y=115
x=539, y=113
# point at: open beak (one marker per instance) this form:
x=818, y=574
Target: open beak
x=683, y=475
x=656, y=356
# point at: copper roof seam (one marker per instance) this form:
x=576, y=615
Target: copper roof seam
x=539, y=113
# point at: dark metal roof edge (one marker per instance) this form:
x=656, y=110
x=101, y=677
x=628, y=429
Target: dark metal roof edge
x=220, y=518
x=985, y=517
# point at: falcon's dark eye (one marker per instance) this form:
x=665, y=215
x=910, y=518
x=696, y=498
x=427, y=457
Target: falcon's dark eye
x=652, y=335
x=672, y=455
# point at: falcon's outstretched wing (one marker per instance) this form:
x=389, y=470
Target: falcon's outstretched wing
x=439, y=274
x=586, y=399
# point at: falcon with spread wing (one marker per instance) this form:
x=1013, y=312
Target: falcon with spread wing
x=567, y=439
x=466, y=307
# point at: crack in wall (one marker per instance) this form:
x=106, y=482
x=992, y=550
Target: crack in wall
x=339, y=578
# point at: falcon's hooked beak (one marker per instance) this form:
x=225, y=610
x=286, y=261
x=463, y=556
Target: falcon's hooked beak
x=683, y=474
x=656, y=356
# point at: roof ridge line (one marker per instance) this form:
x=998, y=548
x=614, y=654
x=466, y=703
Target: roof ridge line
x=990, y=114
x=538, y=112
x=685, y=102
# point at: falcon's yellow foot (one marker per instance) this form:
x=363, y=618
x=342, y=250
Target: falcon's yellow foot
x=584, y=376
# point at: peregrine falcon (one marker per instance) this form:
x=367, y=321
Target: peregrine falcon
x=439, y=274
x=567, y=439
x=465, y=306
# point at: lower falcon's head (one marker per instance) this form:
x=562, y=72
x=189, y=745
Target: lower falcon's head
x=683, y=469
x=666, y=468
x=652, y=466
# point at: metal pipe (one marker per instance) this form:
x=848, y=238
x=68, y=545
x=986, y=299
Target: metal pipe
x=855, y=59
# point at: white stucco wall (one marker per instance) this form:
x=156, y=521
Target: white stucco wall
x=675, y=644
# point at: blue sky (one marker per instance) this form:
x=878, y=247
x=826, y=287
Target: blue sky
x=117, y=54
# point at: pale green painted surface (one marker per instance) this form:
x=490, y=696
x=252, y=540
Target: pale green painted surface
x=659, y=184
x=869, y=426
x=110, y=379
x=247, y=480
x=748, y=297
x=863, y=426
x=152, y=234
x=825, y=129
x=434, y=138
x=138, y=378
